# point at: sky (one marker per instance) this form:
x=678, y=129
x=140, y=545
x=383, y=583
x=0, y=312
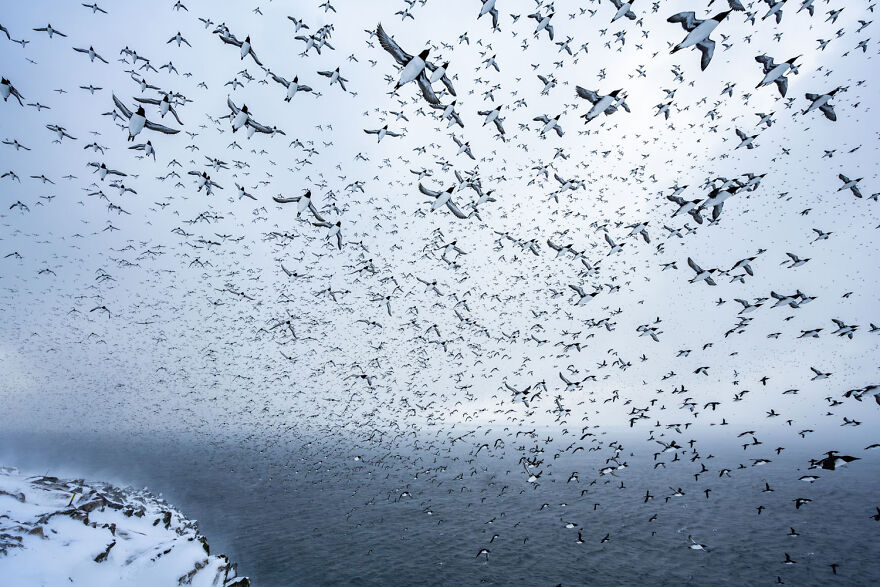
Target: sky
x=195, y=338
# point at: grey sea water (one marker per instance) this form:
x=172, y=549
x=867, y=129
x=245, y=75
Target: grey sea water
x=293, y=516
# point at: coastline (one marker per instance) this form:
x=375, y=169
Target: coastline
x=71, y=531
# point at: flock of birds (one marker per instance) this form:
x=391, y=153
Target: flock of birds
x=475, y=240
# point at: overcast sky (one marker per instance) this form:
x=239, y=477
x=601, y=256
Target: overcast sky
x=182, y=348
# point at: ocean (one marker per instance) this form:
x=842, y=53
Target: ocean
x=311, y=514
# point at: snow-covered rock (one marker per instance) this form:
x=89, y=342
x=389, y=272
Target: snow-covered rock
x=68, y=532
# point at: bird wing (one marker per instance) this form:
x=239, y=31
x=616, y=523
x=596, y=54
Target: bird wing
x=254, y=55
x=694, y=266
x=401, y=56
x=176, y=117
x=230, y=39
x=427, y=90
x=688, y=20
x=153, y=101
x=455, y=210
x=315, y=212
x=235, y=109
x=448, y=83
x=279, y=79
x=427, y=192
x=828, y=111
x=782, y=83
x=707, y=48
x=125, y=111
x=586, y=94
x=18, y=96
x=285, y=201
x=766, y=61
x=160, y=128
x=258, y=127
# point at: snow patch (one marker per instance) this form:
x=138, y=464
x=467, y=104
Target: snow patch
x=68, y=532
